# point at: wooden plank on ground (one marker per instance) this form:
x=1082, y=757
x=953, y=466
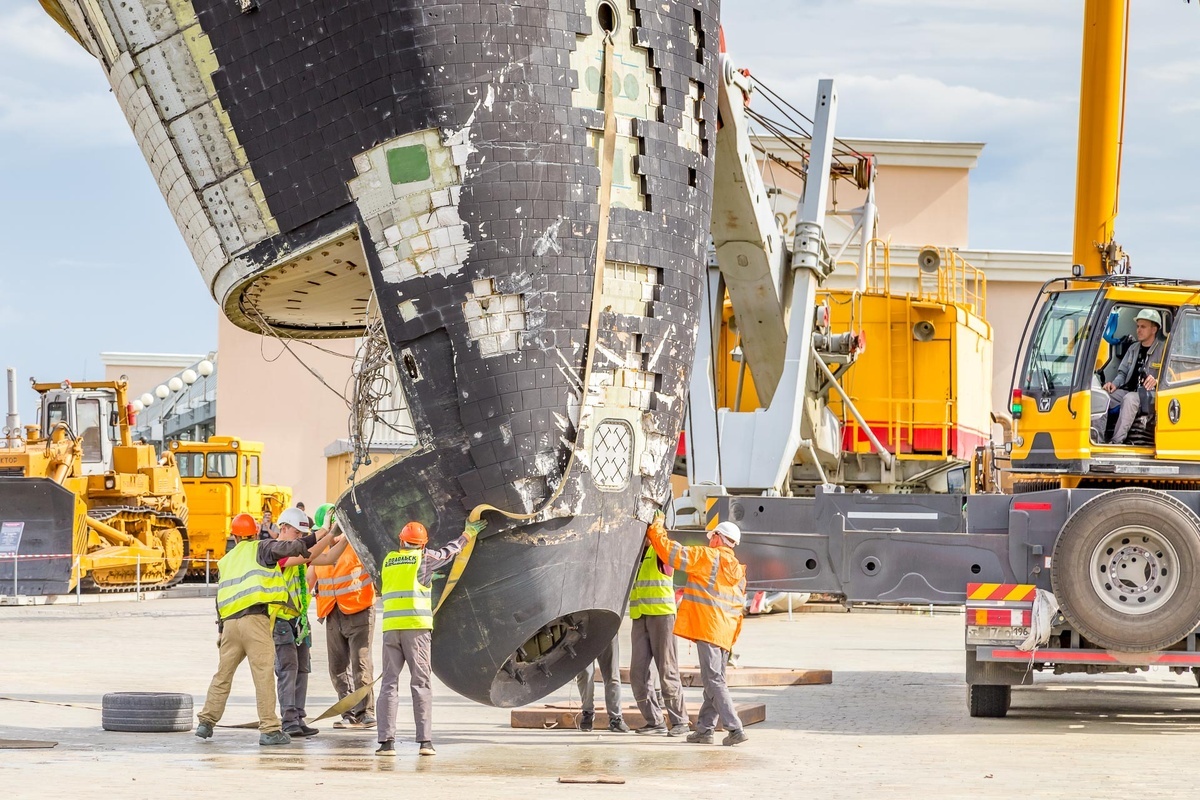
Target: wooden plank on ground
x=565, y=716
x=26, y=744
x=736, y=677
x=590, y=779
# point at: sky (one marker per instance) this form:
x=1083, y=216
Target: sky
x=94, y=261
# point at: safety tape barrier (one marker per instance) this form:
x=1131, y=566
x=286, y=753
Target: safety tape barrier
x=8, y=556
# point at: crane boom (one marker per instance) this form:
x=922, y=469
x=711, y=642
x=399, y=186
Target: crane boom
x=1101, y=111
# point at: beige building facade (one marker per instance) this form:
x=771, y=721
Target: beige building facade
x=294, y=398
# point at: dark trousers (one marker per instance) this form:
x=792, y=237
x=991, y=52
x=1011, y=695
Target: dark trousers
x=610, y=671
x=348, y=645
x=654, y=640
x=293, y=663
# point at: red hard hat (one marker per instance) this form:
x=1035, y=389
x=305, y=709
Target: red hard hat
x=414, y=533
x=244, y=526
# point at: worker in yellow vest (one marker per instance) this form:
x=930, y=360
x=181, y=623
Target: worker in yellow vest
x=407, y=576
x=710, y=614
x=251, y=586
x=346, y=605
x=652, y=614
x=291, y=630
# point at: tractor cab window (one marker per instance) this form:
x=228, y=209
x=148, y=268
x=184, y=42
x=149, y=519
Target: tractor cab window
x=56, y=412
x=87, y=417
x=1059, y=340
x=222, y=465
x=252, y=470
x=191, y=465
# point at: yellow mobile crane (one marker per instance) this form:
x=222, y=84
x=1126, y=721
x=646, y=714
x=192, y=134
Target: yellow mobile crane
x=1091, y=562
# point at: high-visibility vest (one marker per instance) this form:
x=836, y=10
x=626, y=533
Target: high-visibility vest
x=710, y=608
x=406, y=603
x=245, y=583
x=294, y=578
x=346, y=585
x=653, y=593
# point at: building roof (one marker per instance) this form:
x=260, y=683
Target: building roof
x=179, y=360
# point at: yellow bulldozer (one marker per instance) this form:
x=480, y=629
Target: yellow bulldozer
x=82, y=505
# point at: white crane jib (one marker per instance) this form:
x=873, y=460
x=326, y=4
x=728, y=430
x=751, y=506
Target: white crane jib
x=755, y=451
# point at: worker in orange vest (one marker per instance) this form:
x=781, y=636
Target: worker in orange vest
x=346, y=605
x=710, y=614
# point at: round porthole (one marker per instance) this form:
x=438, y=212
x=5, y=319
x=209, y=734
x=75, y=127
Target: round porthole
x=606, y=15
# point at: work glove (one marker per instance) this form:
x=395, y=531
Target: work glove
x=659, y=521
x=472, y=529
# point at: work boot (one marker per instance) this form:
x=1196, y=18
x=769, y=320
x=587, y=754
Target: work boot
x=300, y=731
x=204, y=730
x=652, y=730
x=309, y=730
x=617, y=725
x=679, y=730
x=735, y=737
x=427, y=749
x=387, y=748
x=347, y=721
x=274, y=737
x=367, y=720
x=700, y=737
x=587, y=720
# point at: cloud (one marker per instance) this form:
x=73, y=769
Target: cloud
x=54, y=118
x=28, y=34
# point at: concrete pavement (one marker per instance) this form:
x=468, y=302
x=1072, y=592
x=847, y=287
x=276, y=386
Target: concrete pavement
x=893, y=723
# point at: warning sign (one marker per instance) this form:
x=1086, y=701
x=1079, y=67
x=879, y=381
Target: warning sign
x=10, y=537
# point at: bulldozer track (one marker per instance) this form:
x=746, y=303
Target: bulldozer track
x=89, y=584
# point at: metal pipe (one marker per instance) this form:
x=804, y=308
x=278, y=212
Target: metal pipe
x=884, y=455
x=12, y=423
x=110, y=533
x=812, y=452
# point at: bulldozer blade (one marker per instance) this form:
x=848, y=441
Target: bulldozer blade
x=45, y=512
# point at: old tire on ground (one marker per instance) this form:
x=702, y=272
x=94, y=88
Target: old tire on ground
x=1124, y=570
x=146, y=712
x=985, y=700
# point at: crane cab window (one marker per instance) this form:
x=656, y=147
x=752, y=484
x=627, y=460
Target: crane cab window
x=251, y=476
x=1061, y=335
x=1119, y=335
x=222, y=465
x=87, y=418
x=1183, y=354
x=191, y=465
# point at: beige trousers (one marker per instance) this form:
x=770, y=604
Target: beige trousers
x=247, y=638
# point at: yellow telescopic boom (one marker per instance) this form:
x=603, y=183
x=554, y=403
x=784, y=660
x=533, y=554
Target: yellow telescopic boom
x=1101, y=116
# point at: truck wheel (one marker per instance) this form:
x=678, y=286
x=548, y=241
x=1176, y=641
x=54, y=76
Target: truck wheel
x=988, y=701
x=1124, y=570
x=146, y=712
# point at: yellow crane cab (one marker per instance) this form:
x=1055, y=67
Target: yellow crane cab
x=1066, y=402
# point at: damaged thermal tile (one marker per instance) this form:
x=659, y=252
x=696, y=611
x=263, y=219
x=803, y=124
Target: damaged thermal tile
x=408, y=192
x=494, y=320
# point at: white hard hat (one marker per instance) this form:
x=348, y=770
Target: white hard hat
x=1150, y=315
x=730, y=532
x=294, y=517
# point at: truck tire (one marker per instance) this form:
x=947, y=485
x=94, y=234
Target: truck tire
x=984, y=700
x=1124, y=570
x=146, y=712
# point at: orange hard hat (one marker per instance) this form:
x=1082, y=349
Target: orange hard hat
x=414, y=533
x=244, y=526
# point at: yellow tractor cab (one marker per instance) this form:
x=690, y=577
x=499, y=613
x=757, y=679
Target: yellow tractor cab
x=1068, y=426
x=222, y=478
